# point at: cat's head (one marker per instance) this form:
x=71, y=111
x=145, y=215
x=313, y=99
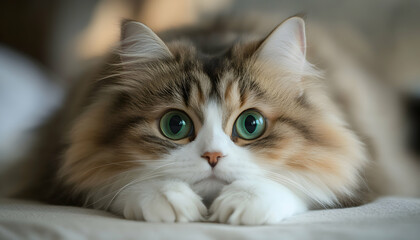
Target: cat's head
x=168, y=110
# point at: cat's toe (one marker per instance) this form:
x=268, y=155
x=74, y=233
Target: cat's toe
x=175, y=202
x=186, y=204
x=244, y=210
x=242, y=205
x=152, y=209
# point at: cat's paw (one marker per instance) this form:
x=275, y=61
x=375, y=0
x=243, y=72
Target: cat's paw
x=255, y=203
x=165, y=202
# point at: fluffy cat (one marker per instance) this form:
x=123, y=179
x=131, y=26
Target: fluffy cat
x=228, y=128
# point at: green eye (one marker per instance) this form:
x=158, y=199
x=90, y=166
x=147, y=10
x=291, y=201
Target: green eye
x=176, y=125
x=250, y=125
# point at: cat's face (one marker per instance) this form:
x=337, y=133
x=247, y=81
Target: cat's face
x=171, y=112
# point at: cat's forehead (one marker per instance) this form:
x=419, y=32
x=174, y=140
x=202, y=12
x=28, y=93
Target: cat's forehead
x=222, y=78
x=192, y=79
x=217, y=72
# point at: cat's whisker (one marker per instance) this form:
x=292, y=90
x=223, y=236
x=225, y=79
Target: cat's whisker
x=118, y=64
x=128, y=185
x=307, y=193
x=123, y=162
x=150, y=175
x=277, y=177
x=119, y=74
x=116, y=192
x=160, y=174
x=158, y=98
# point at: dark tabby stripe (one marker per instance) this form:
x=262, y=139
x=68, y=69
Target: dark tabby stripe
x=118, y=128
x=156, y=145
x=185, y=88
x=303, y=101
x=269, y=141
x=302, y=128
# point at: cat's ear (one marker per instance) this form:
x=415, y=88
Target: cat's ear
x=139, y=43
x=285, y=46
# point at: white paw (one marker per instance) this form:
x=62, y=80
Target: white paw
x=255, y=203
x=164, y=202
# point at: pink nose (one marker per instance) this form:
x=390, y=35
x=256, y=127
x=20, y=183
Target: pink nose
x=212, y=157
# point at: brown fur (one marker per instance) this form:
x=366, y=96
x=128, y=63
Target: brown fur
x=113, y=117
x=124, y=110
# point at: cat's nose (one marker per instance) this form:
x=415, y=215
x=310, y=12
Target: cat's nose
x=212, y=157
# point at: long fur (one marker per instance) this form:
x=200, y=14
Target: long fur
x=118, y=160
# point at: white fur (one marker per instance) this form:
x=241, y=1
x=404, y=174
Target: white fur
x=253, y=202
x=176, y=185
x=238, y=190
x=163, y=201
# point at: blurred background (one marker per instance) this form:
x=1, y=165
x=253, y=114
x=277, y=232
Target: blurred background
x=44, y=44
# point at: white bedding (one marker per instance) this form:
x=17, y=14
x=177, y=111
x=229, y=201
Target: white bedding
x=386, y=218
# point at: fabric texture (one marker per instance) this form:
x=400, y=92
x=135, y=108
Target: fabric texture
x=385, y=218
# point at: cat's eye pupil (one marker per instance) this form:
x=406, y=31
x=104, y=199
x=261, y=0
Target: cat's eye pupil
x=250, y=124
x=176, y=123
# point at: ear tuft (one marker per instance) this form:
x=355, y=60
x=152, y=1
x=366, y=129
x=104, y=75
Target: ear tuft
x=139, y=43
x=286, y=45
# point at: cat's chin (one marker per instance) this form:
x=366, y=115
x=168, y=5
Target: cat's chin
x=209, y=188
x=212, y=178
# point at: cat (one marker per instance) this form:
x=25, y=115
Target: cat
x=228, y=126
x=229, y=129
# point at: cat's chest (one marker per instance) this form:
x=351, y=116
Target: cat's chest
x=208, y=189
